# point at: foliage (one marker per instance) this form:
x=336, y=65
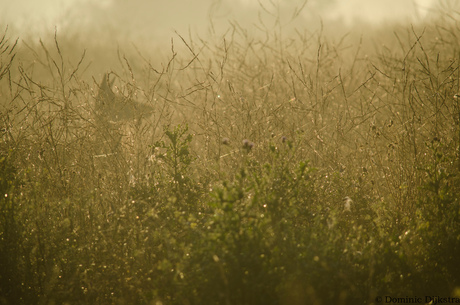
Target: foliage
x=276, y=172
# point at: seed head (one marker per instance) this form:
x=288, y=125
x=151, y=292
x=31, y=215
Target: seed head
x=247, y=145
x=347, y=204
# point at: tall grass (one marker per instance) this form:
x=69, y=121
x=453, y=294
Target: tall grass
x=232, y=190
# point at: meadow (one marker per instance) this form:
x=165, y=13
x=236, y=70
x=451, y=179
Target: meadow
x=284, y=168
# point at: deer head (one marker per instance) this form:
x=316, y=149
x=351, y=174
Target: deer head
x=116, y=108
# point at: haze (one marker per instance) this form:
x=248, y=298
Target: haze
x=158, y=20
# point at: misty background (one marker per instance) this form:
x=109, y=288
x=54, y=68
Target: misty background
x=158, y=20
x=105, y=29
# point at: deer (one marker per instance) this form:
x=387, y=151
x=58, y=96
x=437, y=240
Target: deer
x=112, y=112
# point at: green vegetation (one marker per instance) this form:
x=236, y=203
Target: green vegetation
x=231, y=189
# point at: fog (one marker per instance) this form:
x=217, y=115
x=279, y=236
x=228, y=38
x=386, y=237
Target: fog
x=229, y=151
x=103, y=28
x=159, y=21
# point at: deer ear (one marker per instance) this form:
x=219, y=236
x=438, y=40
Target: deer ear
x=104, y=84
x=111, y=84
x=106, y=94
